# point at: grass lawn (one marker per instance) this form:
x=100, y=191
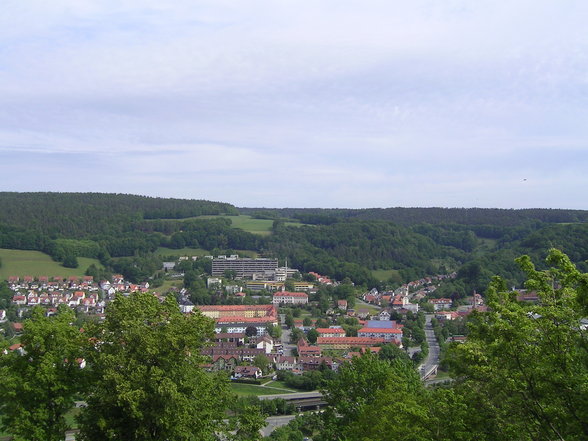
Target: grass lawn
x=162, y=251
x=244, y=390
x=281, y=385
x=35, y=263
x=167, y=285
x=384, y=275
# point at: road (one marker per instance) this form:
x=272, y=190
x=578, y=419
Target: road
x=432, y=359
x=275, y=422
x=288, y=347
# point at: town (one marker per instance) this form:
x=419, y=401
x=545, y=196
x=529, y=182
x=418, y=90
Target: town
x=295, y=327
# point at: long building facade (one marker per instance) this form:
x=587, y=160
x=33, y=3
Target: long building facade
x=243, y=267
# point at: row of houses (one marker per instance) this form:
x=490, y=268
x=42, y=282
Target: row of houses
x=80, y=293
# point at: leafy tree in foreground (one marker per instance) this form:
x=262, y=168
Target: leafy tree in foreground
x=148, y=382
x=526, y=366
x=37, y=386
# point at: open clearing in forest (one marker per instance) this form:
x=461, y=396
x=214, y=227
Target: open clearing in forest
x=163, y=251
x=35, y=263
x=245, y=222
x=248, y=223
x=385, y=275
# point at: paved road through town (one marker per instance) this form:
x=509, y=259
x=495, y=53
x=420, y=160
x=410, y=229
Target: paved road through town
x=432, y=359
x=288, y=347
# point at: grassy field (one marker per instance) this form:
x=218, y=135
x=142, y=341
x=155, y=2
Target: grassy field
x=248, y=223
x=34, y=263
x=167, y=285
x=162, y=251
x=244, y=390
x=384, y=275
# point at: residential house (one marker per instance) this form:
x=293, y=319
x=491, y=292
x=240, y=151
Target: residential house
x=286, y=363
x=307, y=350
x=440, y=304
x=224, y=362
x=247, y=372
x=266, y=343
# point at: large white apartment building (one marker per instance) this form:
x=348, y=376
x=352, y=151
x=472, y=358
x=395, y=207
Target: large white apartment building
x=242, y=266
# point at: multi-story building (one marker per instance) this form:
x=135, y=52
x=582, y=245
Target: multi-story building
x=291, y=298
x=331, y=332
x=347, y=342
x=237, y=318
x=440, y=304
x=242, y=266
x=247, y=311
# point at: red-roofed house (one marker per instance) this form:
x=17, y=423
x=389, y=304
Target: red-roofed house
x=347, y=342
x=331, y=332
x=387, y=334
x=291, y=298
x=247, y=372
x=19, y=300
x=307, y=350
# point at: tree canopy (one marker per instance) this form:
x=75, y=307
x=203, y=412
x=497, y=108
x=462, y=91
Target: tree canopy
x=39, y=381
x=149, y=383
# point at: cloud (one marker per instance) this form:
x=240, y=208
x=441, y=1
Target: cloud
x=318, y=103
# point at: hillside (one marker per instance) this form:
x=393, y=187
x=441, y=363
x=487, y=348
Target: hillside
x=82, y=214
x=126, y=234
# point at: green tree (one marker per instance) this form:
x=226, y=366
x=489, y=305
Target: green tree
x=262, y=362
x=250, y=331
x=148, y=383
x=249, y=424
x=357, y=391
x=38, y=385
x=70, y=261
x=289, y=320
x=524, y=366
x=312, y=335
x=307, y=321
x=275, y=331
x=296, y=335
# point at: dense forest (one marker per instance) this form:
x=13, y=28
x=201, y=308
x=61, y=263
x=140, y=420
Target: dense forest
x=124, y=231
x=431, y=215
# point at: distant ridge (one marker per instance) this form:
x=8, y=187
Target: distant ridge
x=80, y=214
x=431, y=215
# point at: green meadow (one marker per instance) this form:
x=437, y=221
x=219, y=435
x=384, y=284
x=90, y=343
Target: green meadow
x=35, y=263
x=385, y=275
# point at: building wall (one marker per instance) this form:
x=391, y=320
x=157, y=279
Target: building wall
x=243, y=267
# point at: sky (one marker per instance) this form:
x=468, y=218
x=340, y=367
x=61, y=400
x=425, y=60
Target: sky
x=305, y=103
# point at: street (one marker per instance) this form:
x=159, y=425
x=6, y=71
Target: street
x=432, y=359
x=275, y=422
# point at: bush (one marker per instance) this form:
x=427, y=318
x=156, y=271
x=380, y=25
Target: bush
x=246, y=381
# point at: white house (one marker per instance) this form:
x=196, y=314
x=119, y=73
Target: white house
x=291, y=298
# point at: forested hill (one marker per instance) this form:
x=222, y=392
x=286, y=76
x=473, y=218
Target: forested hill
x=433, y=215
x=82, y=214
x=371, y=247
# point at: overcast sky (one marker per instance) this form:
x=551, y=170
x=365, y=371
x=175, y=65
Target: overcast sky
x=304, y=103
